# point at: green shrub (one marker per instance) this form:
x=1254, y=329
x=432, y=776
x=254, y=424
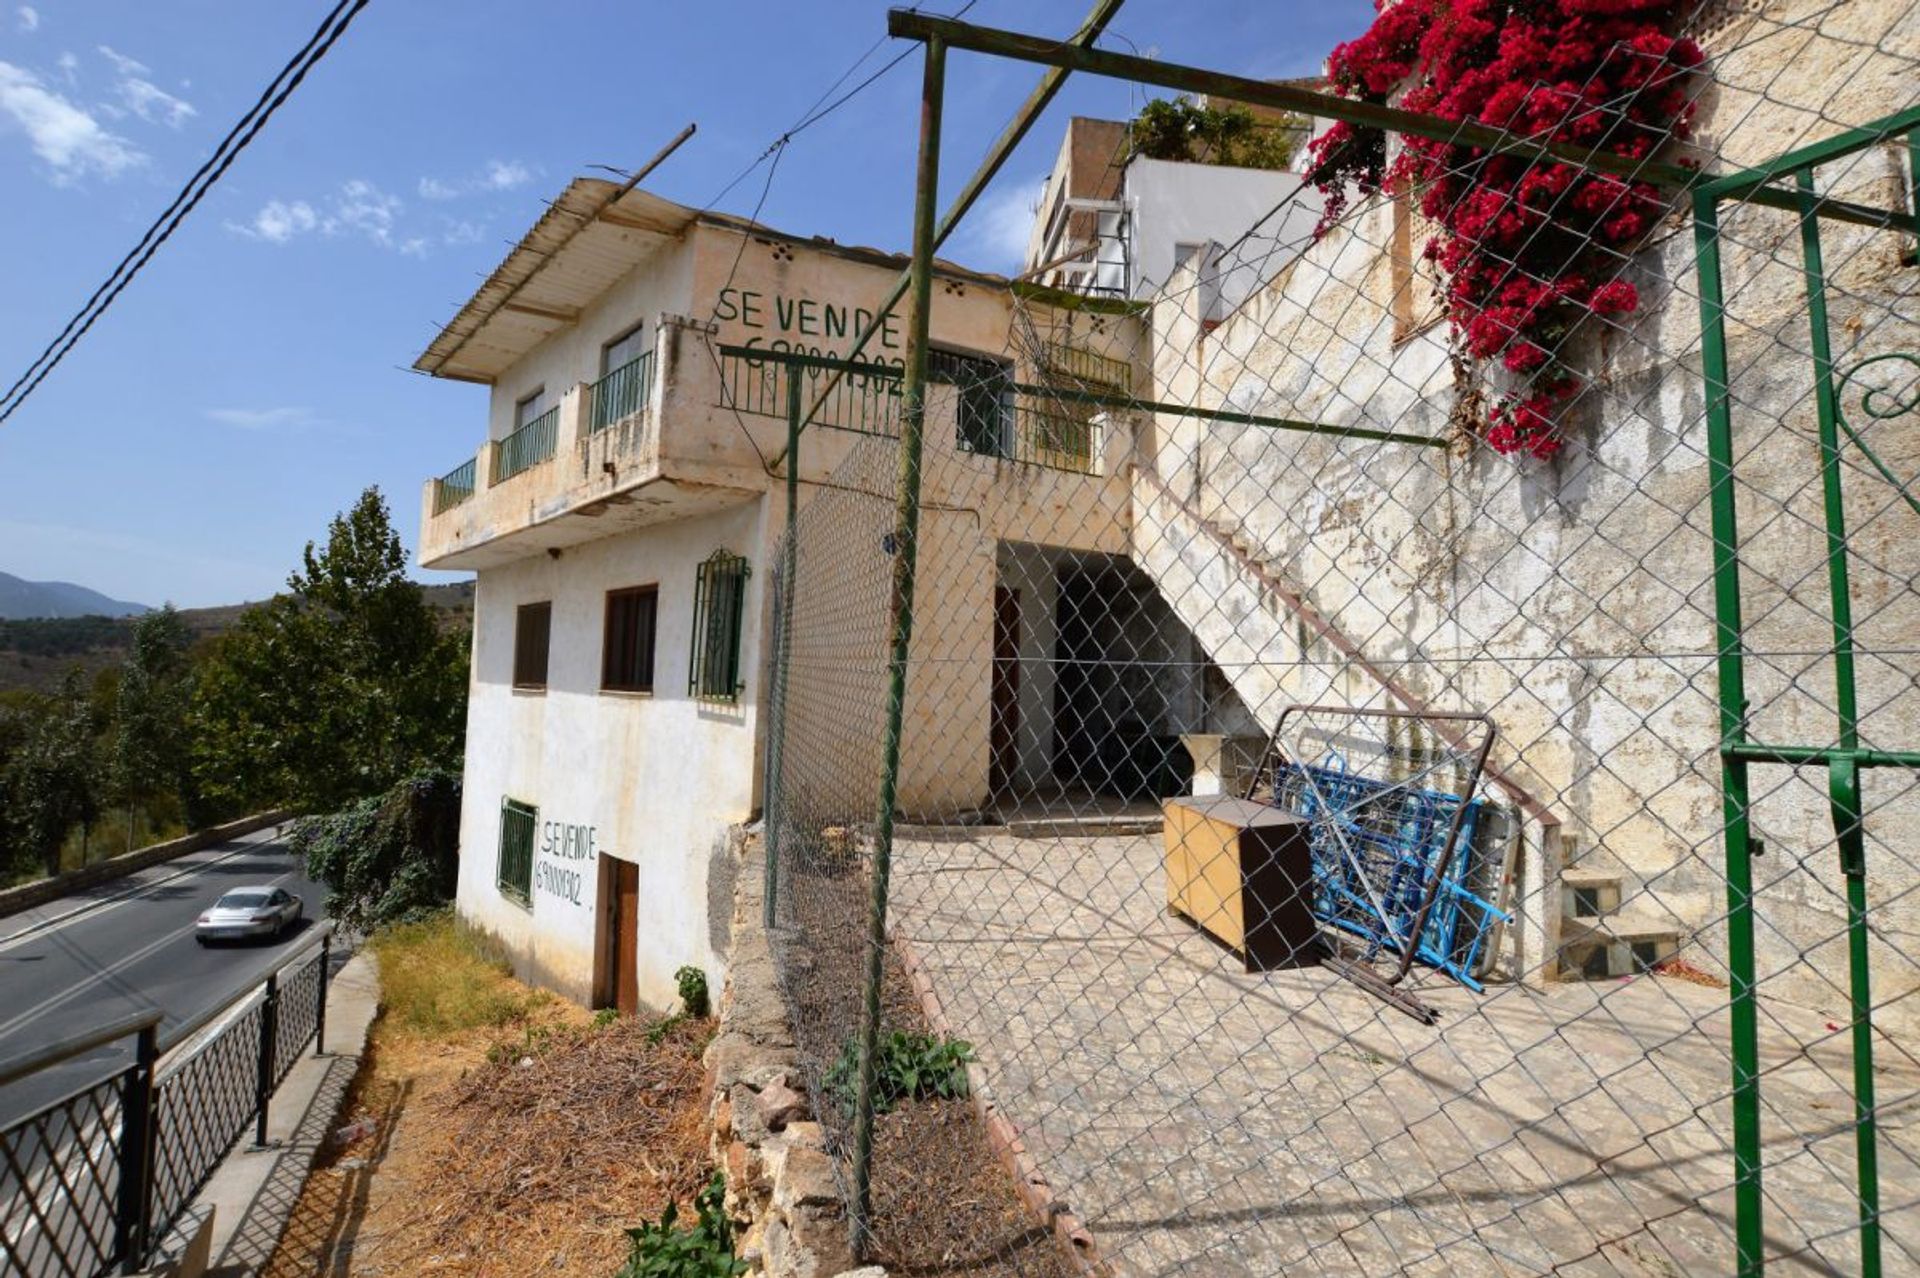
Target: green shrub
x=908, y=1067
x=701, y=1250
x=693, y=991
x=388, y=859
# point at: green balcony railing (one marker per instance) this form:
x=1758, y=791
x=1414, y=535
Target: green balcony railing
x=1050, y=435
x=527, y=447
x=1077, y=366
x=622, y=392
x=846, y=399
x=453, y=487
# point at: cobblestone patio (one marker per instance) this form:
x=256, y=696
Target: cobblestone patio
x=1203, y=1120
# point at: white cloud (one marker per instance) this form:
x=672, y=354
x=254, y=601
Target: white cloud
x=504, y=175
x=279, y=221
x=29, y=17
x=363, y=207
x=999, y=226
x=70, y=68
x=142, y=96
x=496, y=175
x=358, y=208
x=284, y=418
x=462, y=232
x=64, y=135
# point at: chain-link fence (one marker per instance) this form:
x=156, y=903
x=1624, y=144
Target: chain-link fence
x=1405, y=754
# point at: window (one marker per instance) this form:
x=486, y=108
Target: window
x=626, y=657
x=532, y=629
x=528, y=410
x=622, y=350
x=719, y=609
x=514, y=875
x=985, y=388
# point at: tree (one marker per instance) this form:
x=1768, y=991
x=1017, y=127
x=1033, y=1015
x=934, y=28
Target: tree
x=1178, y=129
x=51, y=779
x=337, y=689
x=388, y=859
x=151, y=757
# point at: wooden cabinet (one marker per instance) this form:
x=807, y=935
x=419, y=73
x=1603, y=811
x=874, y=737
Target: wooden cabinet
x=1243, y=872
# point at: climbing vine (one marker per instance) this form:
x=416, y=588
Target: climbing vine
x=1529, y=250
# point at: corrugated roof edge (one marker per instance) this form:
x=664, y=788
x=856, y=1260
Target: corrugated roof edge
x=579, y=206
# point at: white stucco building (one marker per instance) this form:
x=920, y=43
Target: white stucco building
x=622, y=516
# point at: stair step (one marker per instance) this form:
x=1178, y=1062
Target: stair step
x=1616, y=945
x=1588, y=893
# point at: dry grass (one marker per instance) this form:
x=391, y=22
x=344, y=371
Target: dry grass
x=502, y=1131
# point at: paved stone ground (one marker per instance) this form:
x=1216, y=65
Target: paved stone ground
x=1203, y=1120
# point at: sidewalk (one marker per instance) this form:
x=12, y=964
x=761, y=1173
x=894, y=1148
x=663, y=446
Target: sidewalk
x=253, y=1193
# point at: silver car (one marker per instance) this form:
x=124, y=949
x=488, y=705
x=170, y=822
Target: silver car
x=248, y=912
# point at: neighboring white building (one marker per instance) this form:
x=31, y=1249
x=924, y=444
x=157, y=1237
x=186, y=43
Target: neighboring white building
x=622, y=518
x=1114, y=225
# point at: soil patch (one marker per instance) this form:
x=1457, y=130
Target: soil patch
x=504, y=1150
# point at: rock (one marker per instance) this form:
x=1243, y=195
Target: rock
x=864, y=1271
x=779, y=1104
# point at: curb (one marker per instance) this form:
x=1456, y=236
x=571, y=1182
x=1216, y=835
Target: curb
x=26, y=896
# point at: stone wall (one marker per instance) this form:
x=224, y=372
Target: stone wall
x=782, y=1190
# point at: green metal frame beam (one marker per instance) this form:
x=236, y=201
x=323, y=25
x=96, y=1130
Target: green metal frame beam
x=1075, y=57
x=1003, y=146
x=1098, y=399
x=1734, y=186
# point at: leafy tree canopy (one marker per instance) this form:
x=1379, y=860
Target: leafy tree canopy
x=337, y=689
x=1178, y=129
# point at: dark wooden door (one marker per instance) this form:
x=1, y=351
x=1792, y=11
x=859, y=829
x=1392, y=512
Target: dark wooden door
x=1003, y=734
x=626, y=937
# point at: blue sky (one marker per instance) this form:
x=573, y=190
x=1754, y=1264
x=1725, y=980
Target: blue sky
x=254, y=378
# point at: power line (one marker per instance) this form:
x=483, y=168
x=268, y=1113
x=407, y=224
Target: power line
x=331, y=28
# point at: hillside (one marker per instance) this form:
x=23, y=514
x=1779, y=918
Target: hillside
x=36, y=654
x=20, y=598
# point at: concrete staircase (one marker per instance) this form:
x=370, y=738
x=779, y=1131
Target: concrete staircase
x=1253, y=624
x=1598, y=939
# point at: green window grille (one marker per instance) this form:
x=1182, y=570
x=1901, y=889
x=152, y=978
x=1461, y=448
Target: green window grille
x=515, y=873
x=719, y=610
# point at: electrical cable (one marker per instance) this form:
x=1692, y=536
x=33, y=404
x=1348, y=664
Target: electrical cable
x=331, y=28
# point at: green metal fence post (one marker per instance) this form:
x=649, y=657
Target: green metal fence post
x=782, y=651
x=1843, y=774
x=1743, y=1009
x=906, y=537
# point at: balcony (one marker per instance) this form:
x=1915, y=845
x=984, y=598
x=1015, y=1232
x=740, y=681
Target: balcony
x=694, y=426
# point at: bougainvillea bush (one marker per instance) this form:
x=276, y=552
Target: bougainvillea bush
x=1530, y=251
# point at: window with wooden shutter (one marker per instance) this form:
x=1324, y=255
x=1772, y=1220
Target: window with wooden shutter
x=626, y=661
x=532, y=635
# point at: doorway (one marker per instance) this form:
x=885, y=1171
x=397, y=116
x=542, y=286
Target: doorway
x=620, y=935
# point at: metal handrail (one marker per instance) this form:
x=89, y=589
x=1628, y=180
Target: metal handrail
x=454, y=487
x=187, y=1029
x=18, y=1066
x=622, y=392
x=527, y=447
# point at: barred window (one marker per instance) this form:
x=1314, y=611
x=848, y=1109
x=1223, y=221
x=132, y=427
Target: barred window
x=985, y=386
x=514, y=874
x=719, y=611
x=532, y=632
x=626, y=655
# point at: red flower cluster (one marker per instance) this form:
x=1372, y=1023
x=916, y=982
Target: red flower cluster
x=1528, y=248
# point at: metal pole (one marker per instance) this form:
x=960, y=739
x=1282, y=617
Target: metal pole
x=782, y=650
x=1843, y=774
x=1743, y=1009
x=906, y=539
x=320, y=998
x=263, y=1080
x=1029, y=112
x=134, y=1209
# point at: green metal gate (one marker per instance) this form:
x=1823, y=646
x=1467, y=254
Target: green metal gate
x=1845, y=755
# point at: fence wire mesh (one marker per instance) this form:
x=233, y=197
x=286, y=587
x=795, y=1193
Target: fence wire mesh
x=1165, y=514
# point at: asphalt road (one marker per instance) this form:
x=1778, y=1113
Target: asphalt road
x=128, y=946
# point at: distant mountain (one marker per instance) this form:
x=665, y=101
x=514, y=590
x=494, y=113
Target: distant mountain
x=20, y=598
